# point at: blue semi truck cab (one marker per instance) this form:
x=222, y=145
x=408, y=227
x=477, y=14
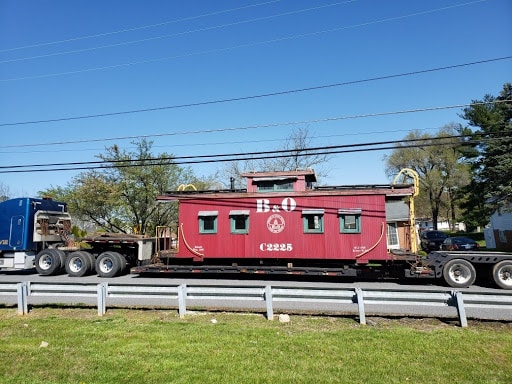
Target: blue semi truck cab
x=29, y=225
x=37, y=233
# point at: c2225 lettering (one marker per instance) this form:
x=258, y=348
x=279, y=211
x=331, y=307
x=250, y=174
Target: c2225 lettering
x=276, y=247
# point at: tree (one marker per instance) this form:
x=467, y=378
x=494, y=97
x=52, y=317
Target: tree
x=491, y=158
x=5, y=192
x=122, y=196
x=298, y=156
x=301, y=157
x=230, y=175
x=439, y=164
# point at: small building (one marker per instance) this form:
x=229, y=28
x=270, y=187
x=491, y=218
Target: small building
x=442, y=225
x=498, y=235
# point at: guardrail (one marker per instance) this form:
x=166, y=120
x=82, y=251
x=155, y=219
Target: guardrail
x=356, y=298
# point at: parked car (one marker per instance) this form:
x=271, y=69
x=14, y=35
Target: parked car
x=459, y=243
x=432, y=240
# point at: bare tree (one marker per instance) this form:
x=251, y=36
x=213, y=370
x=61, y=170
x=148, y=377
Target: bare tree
x=5, y=192
x=297, y=155
x=231, y=174
x=298, y=144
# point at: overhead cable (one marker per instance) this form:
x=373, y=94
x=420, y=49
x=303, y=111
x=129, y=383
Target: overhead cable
x=174, y=34
x=196, y=144
x=138, y=28
x=323, y=150
x=252, y=97
x=271, y=125
x=236, y=47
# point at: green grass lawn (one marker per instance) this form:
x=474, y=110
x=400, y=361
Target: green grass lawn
x=155, y=346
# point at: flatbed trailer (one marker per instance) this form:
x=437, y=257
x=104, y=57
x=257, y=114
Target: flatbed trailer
x=462, y=268
x=458, y=269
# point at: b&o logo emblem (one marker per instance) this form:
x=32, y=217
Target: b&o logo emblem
x=275, y=223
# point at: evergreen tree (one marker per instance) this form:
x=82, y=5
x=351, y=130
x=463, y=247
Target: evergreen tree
x=491, y=155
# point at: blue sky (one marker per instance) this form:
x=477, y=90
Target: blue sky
x=62, y=59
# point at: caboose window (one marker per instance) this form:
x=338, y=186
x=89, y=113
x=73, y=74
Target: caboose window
x=350, y=220
x=272, y=184
x=239, y=221
x=393, y=242
x=208, y=221
x=313, y=220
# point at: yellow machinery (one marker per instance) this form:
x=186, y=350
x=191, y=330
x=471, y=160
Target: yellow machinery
x=402, y=176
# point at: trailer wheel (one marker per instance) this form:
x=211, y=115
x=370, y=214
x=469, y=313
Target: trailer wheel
x=122, y=262
x=459, y=273
x=502, y=274
x=49, y=261
x=122, y=259
x=108, y=264
x=79, y=263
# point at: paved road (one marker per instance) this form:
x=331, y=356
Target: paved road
x=252, y=280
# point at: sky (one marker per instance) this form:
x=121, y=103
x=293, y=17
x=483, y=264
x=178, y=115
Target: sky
x=223, y=77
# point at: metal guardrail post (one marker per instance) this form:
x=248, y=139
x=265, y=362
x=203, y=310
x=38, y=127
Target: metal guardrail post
x=268, y=301
x=182, y=300
x=26, y=290
x=21, y=307
x=22, y=291
x=460, y=308
x=360, y=304
x=102, y=298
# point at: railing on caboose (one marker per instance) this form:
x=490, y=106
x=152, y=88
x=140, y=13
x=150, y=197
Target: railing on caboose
x=411, y=174
x=167, y=241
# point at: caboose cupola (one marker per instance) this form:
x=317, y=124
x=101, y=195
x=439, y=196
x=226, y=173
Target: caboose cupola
x=285, y=181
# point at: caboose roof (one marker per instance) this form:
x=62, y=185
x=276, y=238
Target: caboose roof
x=390, y=191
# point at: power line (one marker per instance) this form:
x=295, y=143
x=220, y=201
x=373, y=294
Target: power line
x=209, y=143
x=252, y=97
x=242, y=45
x=270, y=125
x=137, y=28
x=174, y=34
x=181, y=160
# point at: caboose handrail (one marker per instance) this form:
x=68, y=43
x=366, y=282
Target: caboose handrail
x=412, y=174
x=198, y=254
x=383, y=225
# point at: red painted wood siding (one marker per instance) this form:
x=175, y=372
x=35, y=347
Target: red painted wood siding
x=291, y=242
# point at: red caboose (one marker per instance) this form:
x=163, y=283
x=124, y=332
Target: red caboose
x=283, y=221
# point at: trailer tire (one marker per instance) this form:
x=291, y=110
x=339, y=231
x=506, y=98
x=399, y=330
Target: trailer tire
x=502, y=274
x=49, y=261
x=108, y=264
x=123, y=263
x=459, y=273
x=79, y=263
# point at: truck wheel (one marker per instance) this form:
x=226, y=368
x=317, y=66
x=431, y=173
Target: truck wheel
x=108, y=264
x=79, y=263
x=502, y=274
x=459, y=273
x=49, y=261
x=123, y=263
